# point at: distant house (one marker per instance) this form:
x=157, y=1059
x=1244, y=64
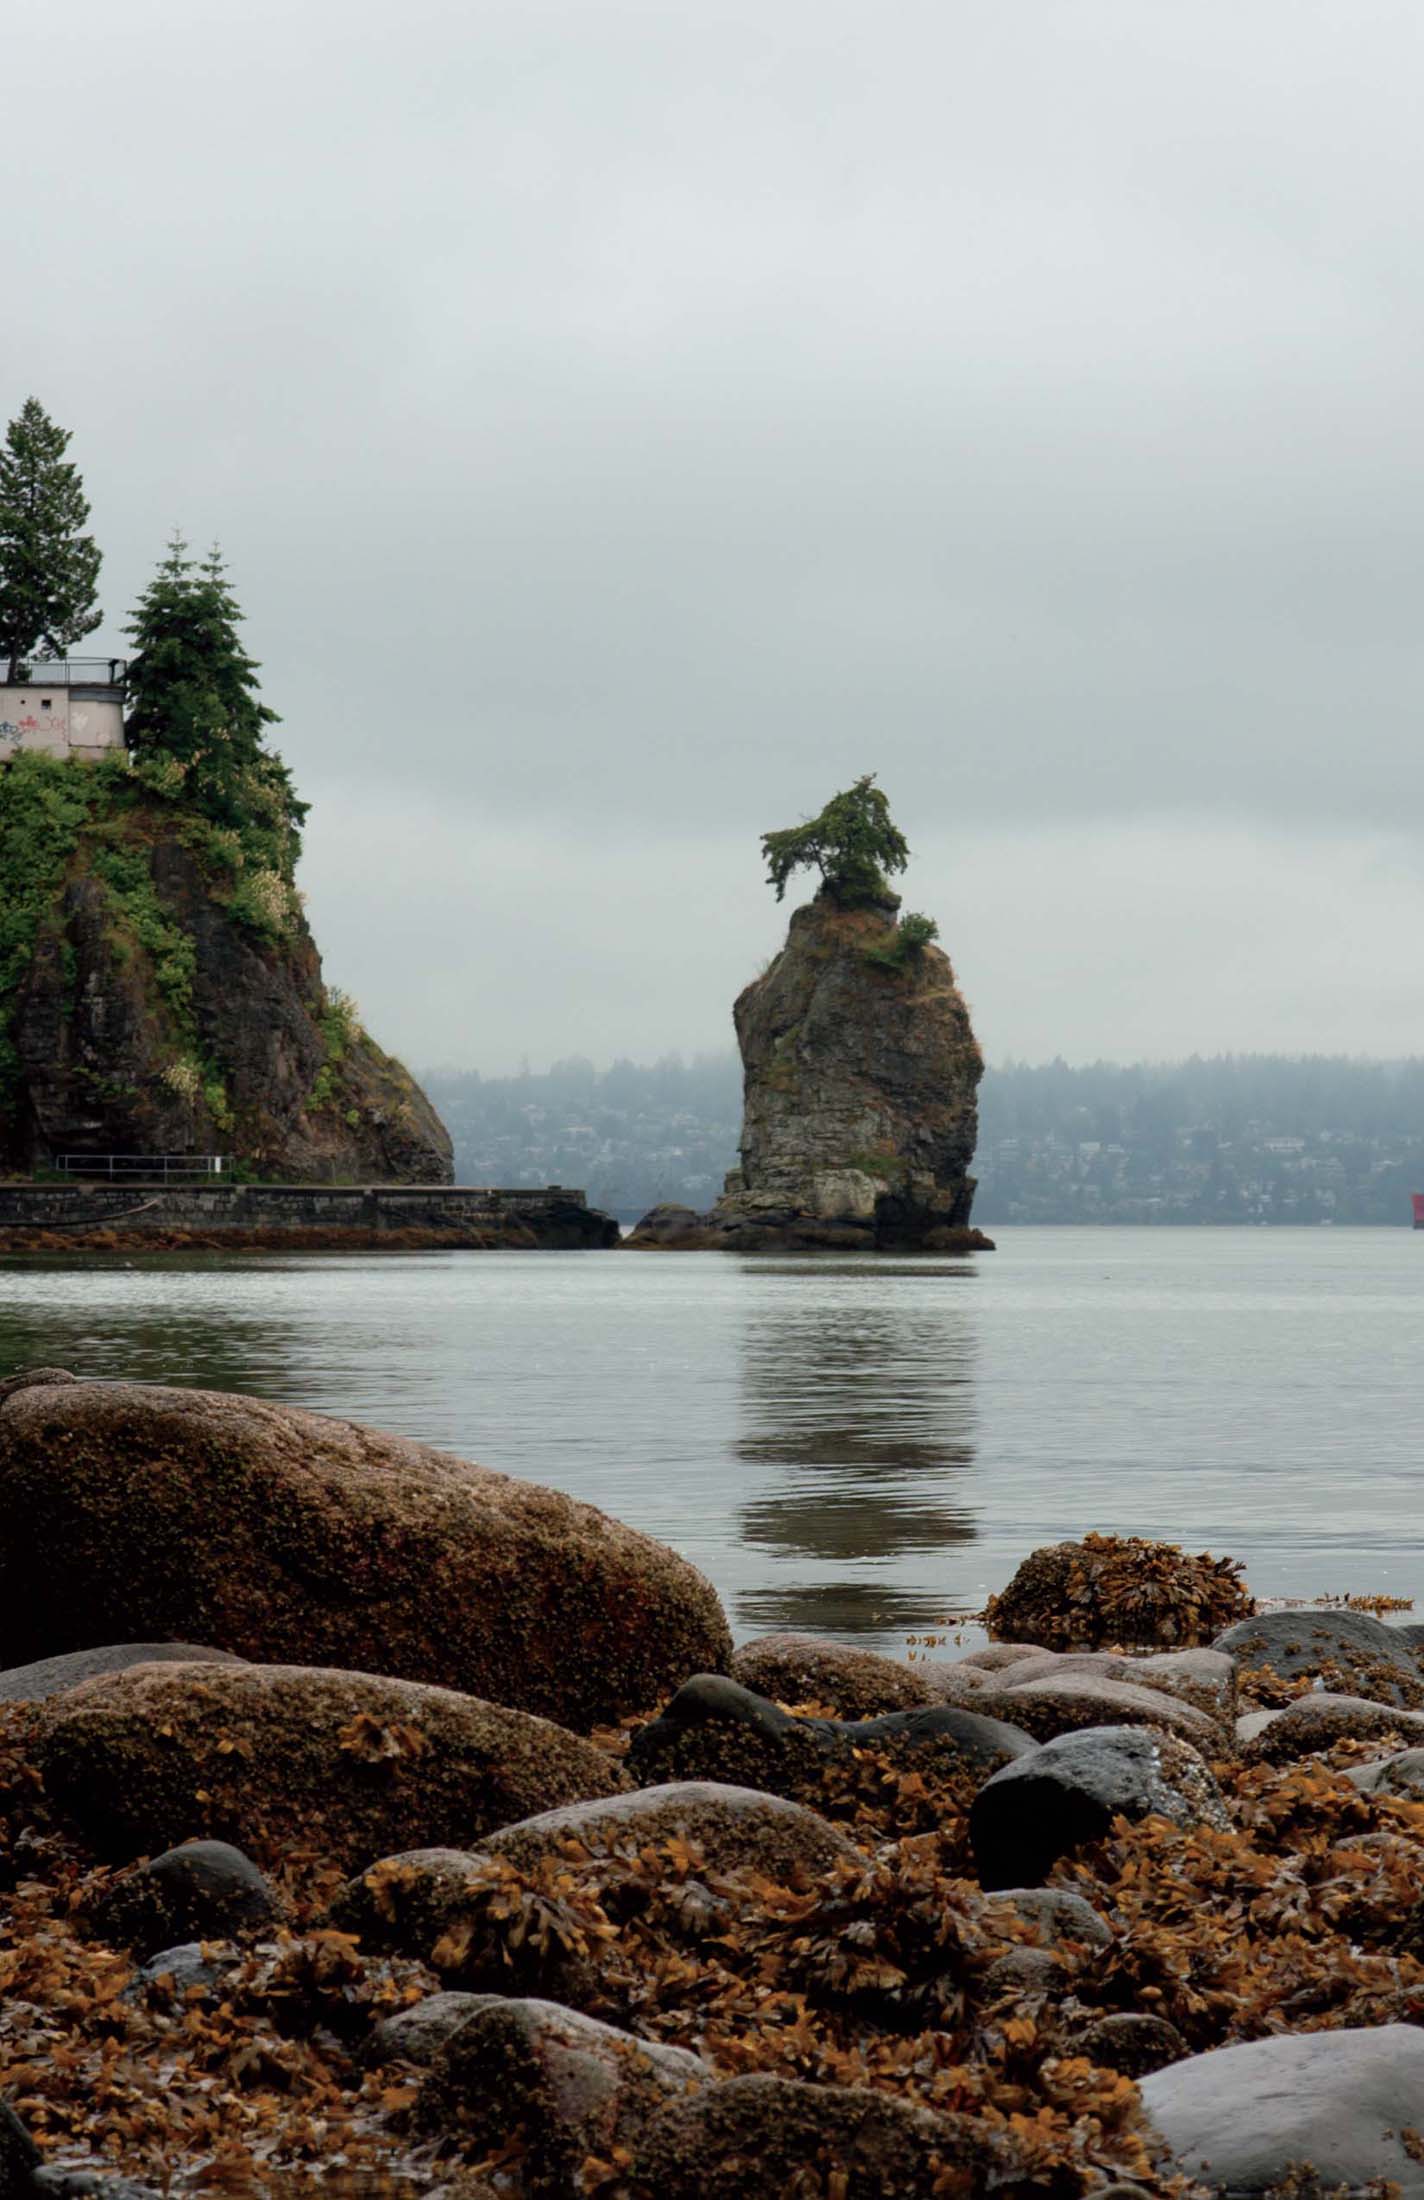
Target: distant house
x=72, y=707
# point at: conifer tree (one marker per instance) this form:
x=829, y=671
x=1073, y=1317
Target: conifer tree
x=49, y=568
x=194, y=695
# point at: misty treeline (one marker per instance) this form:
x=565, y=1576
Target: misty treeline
x=1230, y=1138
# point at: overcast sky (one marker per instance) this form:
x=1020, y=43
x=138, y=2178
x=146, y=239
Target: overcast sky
x=626, y=424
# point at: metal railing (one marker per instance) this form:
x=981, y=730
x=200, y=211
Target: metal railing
x=143, y=1168
x=66, y=672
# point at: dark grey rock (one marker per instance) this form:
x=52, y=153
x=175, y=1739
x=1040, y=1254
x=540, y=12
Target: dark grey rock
x=52, y=1676
x=714, y=1729
x=1355, y=1653
x=750, y=2137
x=1342, y=2102
x=1046, y=1804
x=973, y=1735
x=417, y=2034
x=1026, y=1971
x=204, y=1889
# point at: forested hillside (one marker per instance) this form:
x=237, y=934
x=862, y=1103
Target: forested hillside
x=1241, y=1138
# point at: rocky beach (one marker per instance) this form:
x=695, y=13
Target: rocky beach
x=376, y=1824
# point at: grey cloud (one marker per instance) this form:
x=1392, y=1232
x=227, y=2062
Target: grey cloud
x=625, y=424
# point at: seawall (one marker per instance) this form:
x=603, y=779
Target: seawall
x=296, y=1217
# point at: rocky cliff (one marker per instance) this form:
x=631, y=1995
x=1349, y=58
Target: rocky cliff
x=160, y=992
x=861, y=1070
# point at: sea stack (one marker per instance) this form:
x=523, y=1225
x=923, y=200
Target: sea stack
x=860, y=1066
x=861, y=1073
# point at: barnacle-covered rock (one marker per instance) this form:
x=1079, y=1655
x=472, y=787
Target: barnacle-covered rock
x=129, y=1510
x=574, y=2088
x=1058, y=1703
x=270, y=1755
x=1318, y=1721
x=753, y=2136
x=809, y=1669
x=1118, y=1589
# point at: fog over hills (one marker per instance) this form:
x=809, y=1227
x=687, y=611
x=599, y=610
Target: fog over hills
x=1234, y=1138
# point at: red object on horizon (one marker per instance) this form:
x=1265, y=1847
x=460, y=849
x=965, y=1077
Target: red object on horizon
x=1418, y=1198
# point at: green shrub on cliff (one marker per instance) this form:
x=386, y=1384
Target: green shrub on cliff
x=853, y=843
x=906, y=943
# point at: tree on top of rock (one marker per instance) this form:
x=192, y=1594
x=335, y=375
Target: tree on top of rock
x=195, y=702
x=853, y=843
x=49, y=568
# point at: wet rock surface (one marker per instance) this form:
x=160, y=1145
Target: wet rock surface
x=855, y=1684
x=732, y=1828
x=290, y=1537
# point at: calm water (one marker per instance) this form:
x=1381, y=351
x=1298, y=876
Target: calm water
x=848, y=1445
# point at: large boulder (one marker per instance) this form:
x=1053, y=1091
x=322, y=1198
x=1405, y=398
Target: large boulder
x=1046, y=1805
x=128, y=1510
x=1348, y=1653
x=270, y=1757
x=1347, y=2105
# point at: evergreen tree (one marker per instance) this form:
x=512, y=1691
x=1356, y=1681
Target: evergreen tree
x=194, y=696
x=853, y=843
x=49, y=569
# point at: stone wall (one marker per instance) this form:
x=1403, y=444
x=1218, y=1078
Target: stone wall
x=368, y=1210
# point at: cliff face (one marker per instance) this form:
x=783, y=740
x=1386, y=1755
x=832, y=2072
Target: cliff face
x=860, y=1091
x=154, y=1002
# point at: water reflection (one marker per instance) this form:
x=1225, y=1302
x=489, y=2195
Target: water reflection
x=138, y=1322
x=860, y=1402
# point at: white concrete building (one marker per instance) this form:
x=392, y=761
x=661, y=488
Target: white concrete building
x=72, y=707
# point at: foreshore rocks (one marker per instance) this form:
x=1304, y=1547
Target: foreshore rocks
x=127, y=1510
x=860, y=1077
x=837, y=1924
